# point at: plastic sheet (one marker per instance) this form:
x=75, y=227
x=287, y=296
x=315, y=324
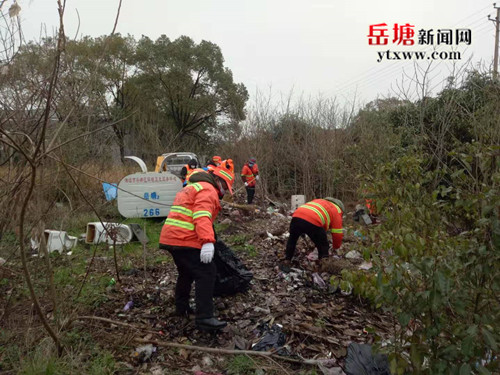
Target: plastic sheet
x=361, y=361
x=273, y=338
x=110, y=191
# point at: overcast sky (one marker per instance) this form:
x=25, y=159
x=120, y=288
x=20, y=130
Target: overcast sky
x=315, y=47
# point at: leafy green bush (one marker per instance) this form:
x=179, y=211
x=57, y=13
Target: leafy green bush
x=437, y=258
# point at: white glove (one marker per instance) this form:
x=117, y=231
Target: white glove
x=257, y=177
x=207, y=252
x=246, y=183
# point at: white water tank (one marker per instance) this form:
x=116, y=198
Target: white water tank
x=147, y=195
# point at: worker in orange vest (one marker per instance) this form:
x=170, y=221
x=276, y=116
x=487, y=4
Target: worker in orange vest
x=187, y=170
x=229, y=164
x=316, y=218
x=250, y=176
x=215, y=162
x=189, y=236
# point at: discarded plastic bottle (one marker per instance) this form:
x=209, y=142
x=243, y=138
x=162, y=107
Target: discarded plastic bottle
x=112, y=282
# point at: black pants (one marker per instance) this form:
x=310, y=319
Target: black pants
x=190, y=268
x=315, y=233
x=250, y=194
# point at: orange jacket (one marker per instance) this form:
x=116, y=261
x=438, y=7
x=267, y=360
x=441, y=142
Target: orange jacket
x=325, y=214
x=248, y=174
x=191, y=217
x=193, y=172
x=186, y=171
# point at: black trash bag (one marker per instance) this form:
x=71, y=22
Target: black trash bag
x=232, y=275
x=361, y=361
x=273, y=338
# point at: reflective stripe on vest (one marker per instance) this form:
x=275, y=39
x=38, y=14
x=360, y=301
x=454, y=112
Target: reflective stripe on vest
x=179, y=223
x=182, y=210
x=315, y=210
x=324, y=212
x=226, y=174
x=199, y=214
x=196, y=185
x=337, y=230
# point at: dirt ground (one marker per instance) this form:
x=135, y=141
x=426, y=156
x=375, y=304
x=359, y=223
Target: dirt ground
x=317, y=323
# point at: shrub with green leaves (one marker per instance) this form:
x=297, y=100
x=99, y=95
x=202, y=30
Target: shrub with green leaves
x=436, y=261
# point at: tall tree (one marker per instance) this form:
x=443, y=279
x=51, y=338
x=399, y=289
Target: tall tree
x=189, y=84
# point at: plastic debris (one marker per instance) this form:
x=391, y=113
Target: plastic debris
x=273, y=338
x=110, y=191
x=59, y=240
x=2, y=261
x=139, y=234
x=327, y=367
x=112, y=233
x=361, y=361
x=112, y=282
x=318, y=281
x=128, y=306
x=366, y=266
x=313, y=255
x=353, y=254
x=360, y=235
x=35, y=244
x=143, y=353
x=164, y=281
x=345, y=288
x=232, y=275
x=269, y=235
x=361, y=213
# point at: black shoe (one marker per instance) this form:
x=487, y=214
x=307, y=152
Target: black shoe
x=184, y=312
x=210, y=324
x=285, y=266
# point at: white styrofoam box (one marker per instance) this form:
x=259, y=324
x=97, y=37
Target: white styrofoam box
x=59, y=240
x=148, y=194
x=297, y=200
x=112, y=233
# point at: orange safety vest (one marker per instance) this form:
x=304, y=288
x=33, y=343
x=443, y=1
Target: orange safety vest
x=189, y=172
x=191, y=217
x=192, y=172
x=324, y=214
x=371, y=205
x=248, y=174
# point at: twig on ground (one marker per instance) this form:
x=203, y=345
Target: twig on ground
x=110, y=321
x=312, y=362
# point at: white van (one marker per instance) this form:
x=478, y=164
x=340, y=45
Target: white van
x=174, y=161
